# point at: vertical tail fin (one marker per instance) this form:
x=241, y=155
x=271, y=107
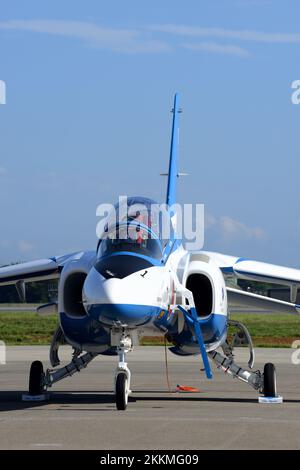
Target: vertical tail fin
x=173, y=163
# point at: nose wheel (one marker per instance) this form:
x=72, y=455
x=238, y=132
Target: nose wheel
x=123, y=376
x=122, y=391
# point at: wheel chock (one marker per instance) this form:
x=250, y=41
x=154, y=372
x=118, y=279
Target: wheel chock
x=277, y=399
x=41, y=397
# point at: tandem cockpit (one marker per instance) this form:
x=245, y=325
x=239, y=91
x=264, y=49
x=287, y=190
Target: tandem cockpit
x=136, y=228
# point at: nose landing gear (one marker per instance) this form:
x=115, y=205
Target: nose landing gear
x=123, y=375
x=122, y=391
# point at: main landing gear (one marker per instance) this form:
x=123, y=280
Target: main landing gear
x=36, y=378
x=265, y=383
x=40, y=380
x=121, y=340
x=270, y=387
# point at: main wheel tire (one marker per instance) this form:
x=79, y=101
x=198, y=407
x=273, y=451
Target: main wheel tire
x=36, y=377
x=270, y=389
x=121, y=391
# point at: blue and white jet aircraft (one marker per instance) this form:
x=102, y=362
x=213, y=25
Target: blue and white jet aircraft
x=133, y=286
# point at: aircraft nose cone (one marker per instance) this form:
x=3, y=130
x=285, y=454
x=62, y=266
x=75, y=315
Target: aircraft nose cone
x=113, y=301
x=121, y=314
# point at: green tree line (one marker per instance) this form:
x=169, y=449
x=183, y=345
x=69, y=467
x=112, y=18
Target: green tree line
x=36, y=292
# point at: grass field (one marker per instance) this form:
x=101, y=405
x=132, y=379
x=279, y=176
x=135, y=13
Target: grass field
x=271, y=330
x=266, y=330
x=26, y=328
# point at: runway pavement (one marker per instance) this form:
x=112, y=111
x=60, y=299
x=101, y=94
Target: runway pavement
x=17, y=309
x=81, y=412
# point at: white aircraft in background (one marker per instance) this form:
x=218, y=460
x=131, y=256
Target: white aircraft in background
x=131, y=285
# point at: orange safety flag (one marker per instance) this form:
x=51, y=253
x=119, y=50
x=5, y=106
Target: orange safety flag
x=185, y=388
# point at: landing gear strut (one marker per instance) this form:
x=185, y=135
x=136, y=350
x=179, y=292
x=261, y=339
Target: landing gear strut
x=265, y=383
x=40, y=381
x=123, y=375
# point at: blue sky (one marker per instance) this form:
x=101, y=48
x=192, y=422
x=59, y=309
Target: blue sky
x=89, y=90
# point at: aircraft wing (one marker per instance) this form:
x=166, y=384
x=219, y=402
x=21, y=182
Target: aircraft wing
x=48, y=268
x=244, y=268
x=241, y=301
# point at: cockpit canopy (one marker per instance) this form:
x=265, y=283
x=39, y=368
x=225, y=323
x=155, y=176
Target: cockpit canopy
x=130, y=237
x=135, y=225
x=142, y=210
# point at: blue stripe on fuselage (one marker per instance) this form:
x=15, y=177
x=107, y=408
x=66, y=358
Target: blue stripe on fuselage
x=128, y=314
x=213, y=328
x=92, y=328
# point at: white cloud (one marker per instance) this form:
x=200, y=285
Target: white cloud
x=222, y=33
x=3, y=171
x=209, y=220
x=118, y=40
x=226, y=49
x=232, y=229
x=25, y=247
x=228, y=229
x=143, y=40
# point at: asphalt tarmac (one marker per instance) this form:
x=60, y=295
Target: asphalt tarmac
x=81, y=412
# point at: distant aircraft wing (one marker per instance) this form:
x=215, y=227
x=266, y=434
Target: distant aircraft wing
x=243, y=268
x=42, y=269
x=242, y=301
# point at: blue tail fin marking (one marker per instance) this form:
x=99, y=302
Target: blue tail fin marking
x=173, y=170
